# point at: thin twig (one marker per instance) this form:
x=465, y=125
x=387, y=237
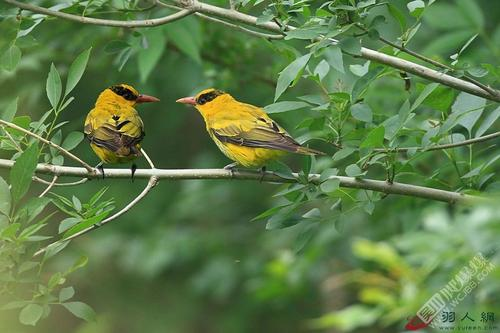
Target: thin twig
x=146, y=156
x=51, y=184
x=442, y=146
x=240, y=28
x=152, y=183
x=78, y=182
x=50, y=143
x=103, y=22
x=14, y=142
x=231, y=25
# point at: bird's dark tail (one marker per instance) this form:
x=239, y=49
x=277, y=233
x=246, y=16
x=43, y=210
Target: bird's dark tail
x=308, y=151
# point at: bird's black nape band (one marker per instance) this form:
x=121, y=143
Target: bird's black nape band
x=126, y=93
x=208, y=96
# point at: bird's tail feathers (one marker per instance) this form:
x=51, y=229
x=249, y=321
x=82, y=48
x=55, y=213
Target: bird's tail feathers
x=308, y=151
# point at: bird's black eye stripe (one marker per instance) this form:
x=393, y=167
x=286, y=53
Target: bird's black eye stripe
x=209, y=96
x=124, y=92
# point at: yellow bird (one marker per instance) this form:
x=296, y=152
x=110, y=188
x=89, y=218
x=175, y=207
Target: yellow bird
x=114, y=128
x=243, y=132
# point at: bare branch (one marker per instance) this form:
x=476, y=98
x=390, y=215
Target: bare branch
x=178, y=174
x=103, y=22
x=438, y=64
x=443, y=146
x=240, y=28
x=191, y=6
x=50, y=143
x=152, y=183
x=231, y=25
x=366, y=53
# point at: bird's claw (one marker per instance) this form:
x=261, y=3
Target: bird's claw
x=262, y=174
x=231, y=168
x=100, y=167
x=133, y=168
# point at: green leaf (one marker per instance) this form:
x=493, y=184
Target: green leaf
x=488, y=121
x=54, y=87
x=29, y=211
x=285, y=106
x=76, y=70
x=72, y=140
x=306, y=33
x=374, y=139
x=343, y=153
x=335, y=58
x=322, y=69
x=66, y=293
x=416, y=7
x=10, y=111
x=440, y=98
x=424, y=94
x=116, y=46
x=9, y=26
x=472, y=12
x=290, y=74
x=80, y=310
x=10, y=59
x=5, y=199
x=186, y=36
x=329, y=186
x=350, y=45
x=30, y=314
x=353, y=170
x=22, y=172
x=85, y=224
x=362, y=112
x=398, y=15
x=147, y=58
x=360, y=70
x=281, y=221
x=68, y=223
x=465, y=111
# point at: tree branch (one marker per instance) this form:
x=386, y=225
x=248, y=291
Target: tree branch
x=50, y=143
x=103, y=22
x=366, y=53
x=152, y=183
x=178, y=174
x=443, y=146
x=231, y=25
x=438, y=64
x=191, y=6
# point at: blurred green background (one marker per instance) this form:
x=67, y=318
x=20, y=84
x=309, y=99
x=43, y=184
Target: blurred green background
x=187, y=258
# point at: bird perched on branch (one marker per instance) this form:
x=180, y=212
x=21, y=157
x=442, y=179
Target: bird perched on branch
x=243, y=132
x=113, y=126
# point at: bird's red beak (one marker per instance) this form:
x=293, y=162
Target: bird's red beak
x=146, y=99
x=187, y=100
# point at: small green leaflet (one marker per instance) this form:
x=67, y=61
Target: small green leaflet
x=290, y=74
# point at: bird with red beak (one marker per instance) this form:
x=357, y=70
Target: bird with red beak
x=114, y=128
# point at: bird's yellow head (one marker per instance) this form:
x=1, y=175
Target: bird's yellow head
x=124, y=94
x=208, y=101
